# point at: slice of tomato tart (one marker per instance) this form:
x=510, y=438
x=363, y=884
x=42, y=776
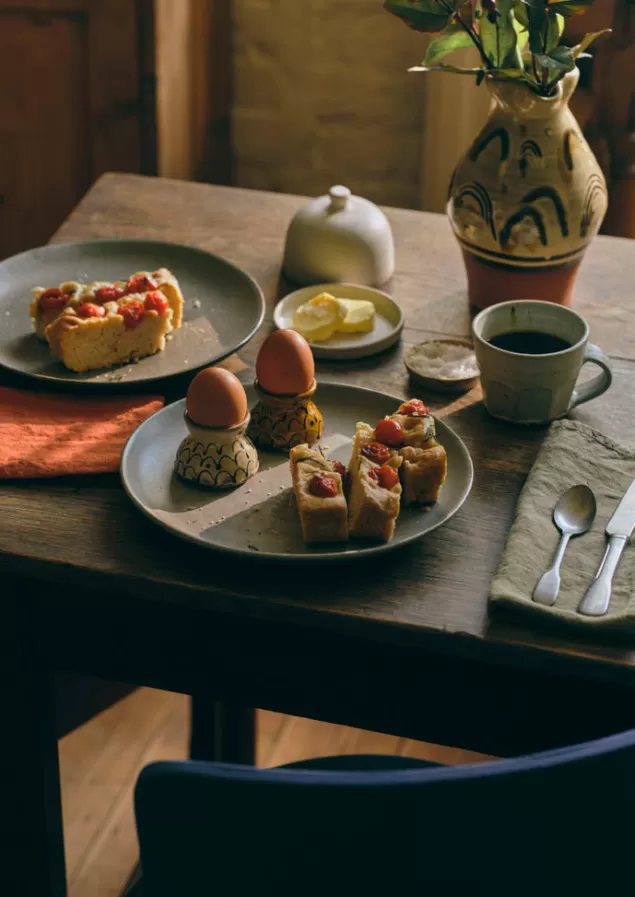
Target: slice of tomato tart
x=425, y=463
x=374, y=488
x=48, y=304
x=318, y=485
x=93, y=335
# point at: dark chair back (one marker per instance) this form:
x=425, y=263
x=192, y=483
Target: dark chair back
x=559, y=823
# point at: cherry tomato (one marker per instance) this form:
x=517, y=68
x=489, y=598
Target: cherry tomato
x=156, y=301
x=52, y=300
x=91, y=310
x=386, y=476
x=323, y=486
x=338, y=467
x=389, y=432
x=415, y=408
x=109, y=294
x=140, y=284
x=131, y=312
x=376, y=452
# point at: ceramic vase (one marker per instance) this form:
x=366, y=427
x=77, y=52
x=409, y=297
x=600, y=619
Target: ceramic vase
x=278, y=423
x=216, y=458
x=527, y=198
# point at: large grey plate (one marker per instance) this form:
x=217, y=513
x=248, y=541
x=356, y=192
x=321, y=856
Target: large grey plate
x=223, y=306
x=260, y=518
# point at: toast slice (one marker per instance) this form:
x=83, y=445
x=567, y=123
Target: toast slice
x=323, y=516
x=372, y=507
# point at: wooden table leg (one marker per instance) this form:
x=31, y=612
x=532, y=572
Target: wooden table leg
x=31, y=839
x=222, y=732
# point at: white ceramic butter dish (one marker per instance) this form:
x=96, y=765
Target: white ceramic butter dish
x=386, y=332
x=339, y=238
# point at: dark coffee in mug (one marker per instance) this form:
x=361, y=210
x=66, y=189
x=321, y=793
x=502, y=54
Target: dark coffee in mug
x=529, y=342
x=529, y=375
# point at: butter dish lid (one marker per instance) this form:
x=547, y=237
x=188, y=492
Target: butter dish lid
x=339, y=238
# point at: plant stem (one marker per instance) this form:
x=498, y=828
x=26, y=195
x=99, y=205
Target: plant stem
x=475, y=40
x=499, y=61
x=545, y=79
x=545, y=70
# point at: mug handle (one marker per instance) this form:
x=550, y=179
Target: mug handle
x=600, y=383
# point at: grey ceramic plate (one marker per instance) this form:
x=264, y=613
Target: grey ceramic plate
x=223, y=307
x=259, y=518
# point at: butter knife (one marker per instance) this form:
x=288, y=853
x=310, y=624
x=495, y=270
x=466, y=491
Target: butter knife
x=619, y=530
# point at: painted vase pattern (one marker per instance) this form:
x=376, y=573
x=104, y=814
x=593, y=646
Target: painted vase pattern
x=215, y=458
x=529, y=195
x=278, y=423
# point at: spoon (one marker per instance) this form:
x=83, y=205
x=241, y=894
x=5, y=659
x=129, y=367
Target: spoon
x=573, y=515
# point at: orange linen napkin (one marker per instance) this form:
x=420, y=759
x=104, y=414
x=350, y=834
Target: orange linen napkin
x=48, y=435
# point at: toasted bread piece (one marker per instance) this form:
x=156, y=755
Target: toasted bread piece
x=43, y=318
x=417, y=431
x=323, y=519
x=76, y=293
x=424, y=467
x=372, y=509
x=423, y=473
x=168, y=284
x=85, y=344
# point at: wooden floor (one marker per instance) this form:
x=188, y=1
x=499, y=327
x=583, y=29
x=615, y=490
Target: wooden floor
x=100, y=763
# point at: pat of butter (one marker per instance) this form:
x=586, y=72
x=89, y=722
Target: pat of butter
x=319, y=318
x=360, y=316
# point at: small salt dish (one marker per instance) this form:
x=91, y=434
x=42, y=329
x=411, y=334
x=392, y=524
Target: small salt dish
x=446, y=365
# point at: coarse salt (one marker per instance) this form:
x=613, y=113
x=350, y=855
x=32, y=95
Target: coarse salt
x=443, y=360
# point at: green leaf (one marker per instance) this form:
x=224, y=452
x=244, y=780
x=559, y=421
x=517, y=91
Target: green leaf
x=510, y=74
x=571, y=7
x=421, y=15
x=520, y=13
x=578, y=51
x=444, y=67
x=537, y=21
x=453, y=38
x=522, y=34
x=499, y=38
x=554, y=29
x=560, y=59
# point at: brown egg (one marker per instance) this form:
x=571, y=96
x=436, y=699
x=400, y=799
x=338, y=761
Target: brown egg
x=285, y=365
x=216, y=398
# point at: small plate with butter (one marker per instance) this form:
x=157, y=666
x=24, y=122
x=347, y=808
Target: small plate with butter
x=341, y=321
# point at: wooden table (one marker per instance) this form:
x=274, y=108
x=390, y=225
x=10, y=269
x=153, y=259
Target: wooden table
x=402, y=645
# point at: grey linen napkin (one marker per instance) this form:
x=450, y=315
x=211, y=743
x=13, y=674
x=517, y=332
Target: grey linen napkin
x=571, y=453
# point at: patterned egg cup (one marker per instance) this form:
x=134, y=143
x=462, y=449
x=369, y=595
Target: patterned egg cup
x=217, y=458
x=278, y=423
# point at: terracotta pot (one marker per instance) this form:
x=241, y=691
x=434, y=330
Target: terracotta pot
x=527, y=198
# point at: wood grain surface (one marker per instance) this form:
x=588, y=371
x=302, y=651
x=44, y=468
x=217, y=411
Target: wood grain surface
x=85, y=531
x=401, y=645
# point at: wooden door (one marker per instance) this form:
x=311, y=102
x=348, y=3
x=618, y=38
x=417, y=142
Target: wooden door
x=72, y=106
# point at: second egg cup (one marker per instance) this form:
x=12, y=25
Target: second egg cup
x=278, y=423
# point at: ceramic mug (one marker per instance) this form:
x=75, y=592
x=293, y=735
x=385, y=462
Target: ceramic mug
x=536, y=389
